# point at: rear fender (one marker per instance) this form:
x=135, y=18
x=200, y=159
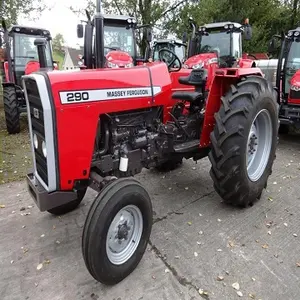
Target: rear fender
x=221, y=83
x=247, y=63
x=6, y=72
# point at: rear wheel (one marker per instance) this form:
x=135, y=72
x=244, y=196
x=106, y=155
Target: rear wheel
x=244, y=141
x=68, y=207
x=117, y=230
x=12, y=115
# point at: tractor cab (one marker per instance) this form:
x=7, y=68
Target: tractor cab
x=219, y=43
x=21, y=54
x=288, y=77
x=109, y=41
x=178, y=47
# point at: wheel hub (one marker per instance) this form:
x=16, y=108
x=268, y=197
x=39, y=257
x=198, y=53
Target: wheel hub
x=124, y=234
x=259, y=145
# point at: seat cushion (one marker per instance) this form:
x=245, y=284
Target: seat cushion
x=187, y=96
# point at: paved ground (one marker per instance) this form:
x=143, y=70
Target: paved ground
x=194, y=240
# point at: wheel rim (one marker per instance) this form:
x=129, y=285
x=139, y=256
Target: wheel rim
x=124, y=234
x=259, y=145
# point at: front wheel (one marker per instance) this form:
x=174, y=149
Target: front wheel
x=244, y=141
x=117, y=230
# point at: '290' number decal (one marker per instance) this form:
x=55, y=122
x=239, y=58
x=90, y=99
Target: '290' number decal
x=78, y=96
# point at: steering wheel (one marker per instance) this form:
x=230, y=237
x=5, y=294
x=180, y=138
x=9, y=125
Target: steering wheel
x=175, y=57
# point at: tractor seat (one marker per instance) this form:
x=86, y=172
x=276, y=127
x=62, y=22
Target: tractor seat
x=187, y=96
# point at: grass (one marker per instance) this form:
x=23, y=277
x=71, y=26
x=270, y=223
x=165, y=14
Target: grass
x=57, y=56
x=15, y=152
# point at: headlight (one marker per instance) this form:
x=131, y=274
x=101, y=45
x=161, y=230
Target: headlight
x=44, y=149
x=198, y=66
x=130, y=65
x=112, y=65
x=35, y=141
x=295, y=88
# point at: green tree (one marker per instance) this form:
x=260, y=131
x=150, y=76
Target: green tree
x=11, y=10
x=58, y=43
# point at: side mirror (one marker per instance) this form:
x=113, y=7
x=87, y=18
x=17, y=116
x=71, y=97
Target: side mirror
x=80, y=31
x=184, y=38
x=247, y=32
x=272, y=46
x=149, y=35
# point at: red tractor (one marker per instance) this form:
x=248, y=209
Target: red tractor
x=99, y=127
x=119, y=42
x=288, y=78
x=217, y=45
x=20, y=57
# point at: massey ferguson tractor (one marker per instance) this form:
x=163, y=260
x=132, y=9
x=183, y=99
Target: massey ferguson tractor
x=98, y=128
x=179, y=48
x=288, y=79
x=218, y=45
x=118, y=39
x=20, y=57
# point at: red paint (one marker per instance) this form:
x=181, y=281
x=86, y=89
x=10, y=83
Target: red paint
x=295, y=80
x=7, y=79
x=32, y=66
x=245, y=63
x=199, y=58
x=120, y=58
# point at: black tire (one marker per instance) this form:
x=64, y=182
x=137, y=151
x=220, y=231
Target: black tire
x=229, y=140
x=12, y=115
x=65, y=208
x=169, y=165
x=284, y=129
x=114, y=197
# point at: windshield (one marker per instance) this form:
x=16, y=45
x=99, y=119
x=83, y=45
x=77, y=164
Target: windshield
x=177, y=49
x=118, y=38
x=215, y=41
x=24, y=50
x=292, y=64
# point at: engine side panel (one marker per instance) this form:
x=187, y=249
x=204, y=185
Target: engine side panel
x=81, y=97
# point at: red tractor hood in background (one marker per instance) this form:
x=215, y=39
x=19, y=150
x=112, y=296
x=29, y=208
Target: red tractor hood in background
x=295, y=81
x=119, y=58
x=198, y=59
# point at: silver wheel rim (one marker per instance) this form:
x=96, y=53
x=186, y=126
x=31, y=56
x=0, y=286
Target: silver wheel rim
x=124, y=234
x=259, y=145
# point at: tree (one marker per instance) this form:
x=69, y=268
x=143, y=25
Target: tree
x=58, y=43
x=10, y=10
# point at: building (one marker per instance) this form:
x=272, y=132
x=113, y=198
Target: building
x=71, y=58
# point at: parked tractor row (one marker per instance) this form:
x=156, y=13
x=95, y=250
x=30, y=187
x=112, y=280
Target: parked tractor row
x=102, y=125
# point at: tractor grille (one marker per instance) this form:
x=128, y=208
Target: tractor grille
x=294, y=94
x=38, y=128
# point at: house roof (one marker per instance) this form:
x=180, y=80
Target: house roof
x=74, y=54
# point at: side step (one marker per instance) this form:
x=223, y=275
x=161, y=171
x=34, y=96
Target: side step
x=187, y=146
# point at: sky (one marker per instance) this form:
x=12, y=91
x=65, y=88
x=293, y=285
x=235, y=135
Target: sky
x=59, y=19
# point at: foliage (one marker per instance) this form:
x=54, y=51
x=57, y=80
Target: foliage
x=267, y=17
x=11, y=10
x=58, y=43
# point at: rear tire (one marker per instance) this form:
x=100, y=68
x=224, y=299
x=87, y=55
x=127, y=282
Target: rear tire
x=108, y=255
x=240, y=173
x=12, y=115
x=68, y=207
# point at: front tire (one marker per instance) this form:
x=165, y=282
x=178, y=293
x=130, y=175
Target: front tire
x=12, y=114
x=117, y=230
x=244, y=141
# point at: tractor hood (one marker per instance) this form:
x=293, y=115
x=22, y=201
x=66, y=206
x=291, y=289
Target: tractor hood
x=200, y=60
x=118, y=59
x=295, y=81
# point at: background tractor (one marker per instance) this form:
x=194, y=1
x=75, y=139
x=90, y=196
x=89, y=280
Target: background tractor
x=20, y=57
x=119, y=129
x=118, y=42
x=288, y=78
x=178, y=47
